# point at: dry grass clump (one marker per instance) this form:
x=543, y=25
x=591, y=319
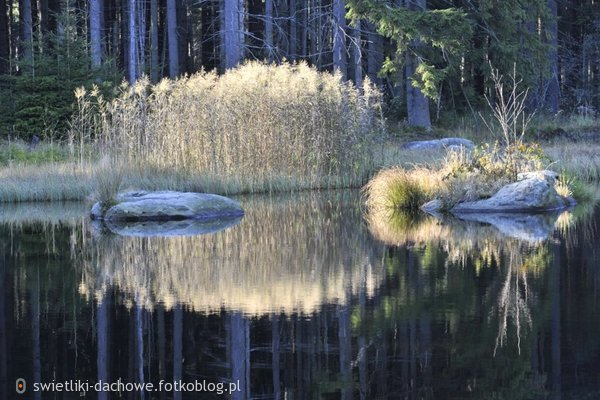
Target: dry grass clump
x=397, y=188
x=262, y=125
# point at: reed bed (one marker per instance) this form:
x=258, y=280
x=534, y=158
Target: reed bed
x=258, y=127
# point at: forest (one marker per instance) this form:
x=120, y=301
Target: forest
x=433, y=59
x=353, y=199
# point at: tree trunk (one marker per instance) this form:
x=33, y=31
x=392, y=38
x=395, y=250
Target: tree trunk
x=182, y=36
x=43, y=16
x=416, y=103
x=339, y=38
x=345, y=352
x=154, y=71
x=35, y=332
x=95, y=7
x=231, y=32
x=357, y=54
x=552, y=84
x=141, y=37
x=312, y=22
x=303, y=12
x=27, y=34
x=102, y=331
x=4, y=43
x=240, y=354
x=122, y=33
x=132, y=53
x=556, y=321
x=177, y=347
x=275, y=356
x=162, y=358
x=139, y=344
x=172, y=36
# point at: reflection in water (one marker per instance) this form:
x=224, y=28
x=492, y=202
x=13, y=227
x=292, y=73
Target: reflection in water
x=186, y=227
x=299, y=301
x=513, y=300
x=290, y=255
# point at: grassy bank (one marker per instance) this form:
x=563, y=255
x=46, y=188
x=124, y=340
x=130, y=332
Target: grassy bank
x=72, y=181
x=257, y=128
x=52, y=173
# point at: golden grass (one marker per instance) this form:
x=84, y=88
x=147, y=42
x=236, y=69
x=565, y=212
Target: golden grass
x=458, y=176
x=50, y=182
x=266, y=126
x=397, y=188
x=258, y=128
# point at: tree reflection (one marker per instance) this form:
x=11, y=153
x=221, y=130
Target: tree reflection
x=301, y=303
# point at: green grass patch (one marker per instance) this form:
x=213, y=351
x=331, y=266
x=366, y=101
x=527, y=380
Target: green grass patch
x=22, y=153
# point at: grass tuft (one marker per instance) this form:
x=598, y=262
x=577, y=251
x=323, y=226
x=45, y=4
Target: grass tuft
x=395, y=189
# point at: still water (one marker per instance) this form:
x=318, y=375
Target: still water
x=302, y=299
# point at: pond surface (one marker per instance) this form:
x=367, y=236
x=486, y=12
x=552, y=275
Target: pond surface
x=302, y=299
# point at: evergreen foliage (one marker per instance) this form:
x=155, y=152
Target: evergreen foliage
x=442, y=32
x=38, y=98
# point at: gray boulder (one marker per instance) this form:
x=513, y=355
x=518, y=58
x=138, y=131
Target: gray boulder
x=449, y=143
x=167, y=206
x=529, y=195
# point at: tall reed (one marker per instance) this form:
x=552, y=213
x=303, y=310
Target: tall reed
x=266, y=127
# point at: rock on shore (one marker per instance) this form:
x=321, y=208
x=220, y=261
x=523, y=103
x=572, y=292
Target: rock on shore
x=532, y=194
x=167, y=206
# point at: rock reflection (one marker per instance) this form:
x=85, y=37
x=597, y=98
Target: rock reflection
x=187, y=227
x=469, y=230
x=289, y=254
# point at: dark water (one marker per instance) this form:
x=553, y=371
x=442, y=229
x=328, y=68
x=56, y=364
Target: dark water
x=302, y=300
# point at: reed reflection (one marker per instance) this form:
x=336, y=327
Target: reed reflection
x=286, y=255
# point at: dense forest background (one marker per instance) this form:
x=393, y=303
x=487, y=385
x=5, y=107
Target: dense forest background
x=433, y=59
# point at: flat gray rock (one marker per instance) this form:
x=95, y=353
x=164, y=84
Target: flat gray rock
x=167, y=206
x=527, y=196
x=451, y=143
